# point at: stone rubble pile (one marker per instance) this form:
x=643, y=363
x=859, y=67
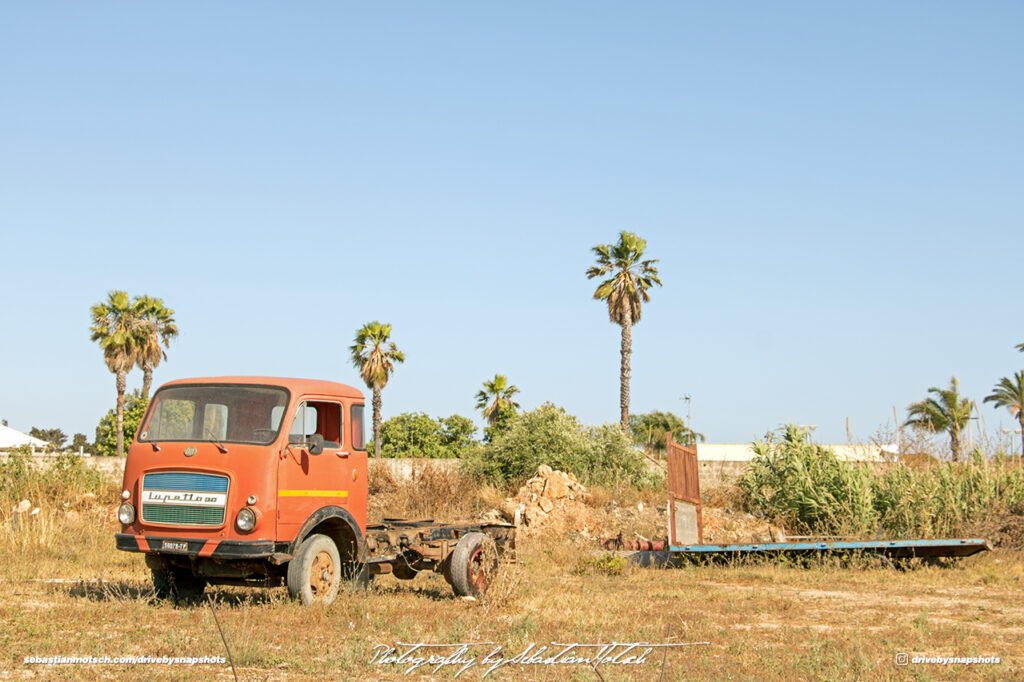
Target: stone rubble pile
x=552, y=500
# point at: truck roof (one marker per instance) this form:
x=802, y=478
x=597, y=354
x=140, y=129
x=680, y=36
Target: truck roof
x=295, y=386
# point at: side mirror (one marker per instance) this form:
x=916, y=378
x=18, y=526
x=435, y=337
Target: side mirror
x=316, y=444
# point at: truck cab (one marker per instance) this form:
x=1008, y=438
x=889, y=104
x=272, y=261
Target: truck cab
x=262, y=481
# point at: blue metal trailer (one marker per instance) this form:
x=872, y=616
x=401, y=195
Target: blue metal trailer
x=894, y=549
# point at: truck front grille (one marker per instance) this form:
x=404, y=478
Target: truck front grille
x=182, y=516
x=183, y=498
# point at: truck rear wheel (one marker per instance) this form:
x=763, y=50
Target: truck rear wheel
x=177, y=584
x=315, y=572
x=474, y=562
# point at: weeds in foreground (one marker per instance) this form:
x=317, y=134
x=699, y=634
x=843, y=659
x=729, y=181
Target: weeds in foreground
x=41, y=504
x=66, y=479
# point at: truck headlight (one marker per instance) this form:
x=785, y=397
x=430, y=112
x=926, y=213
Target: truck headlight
x=126, y=514
x=245, y=520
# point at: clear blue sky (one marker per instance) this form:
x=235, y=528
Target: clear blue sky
x=834, y=191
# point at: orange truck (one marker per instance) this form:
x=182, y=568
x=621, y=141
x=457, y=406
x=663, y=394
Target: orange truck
x=263, y=481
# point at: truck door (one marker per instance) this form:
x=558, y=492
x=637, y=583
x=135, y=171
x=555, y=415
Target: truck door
x=307, y=481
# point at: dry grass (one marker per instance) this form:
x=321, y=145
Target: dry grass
x=725, y=496
x=432, y=491
x=763, y=621
x=624, y=494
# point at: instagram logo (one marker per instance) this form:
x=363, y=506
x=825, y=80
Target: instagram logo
x=902, y=659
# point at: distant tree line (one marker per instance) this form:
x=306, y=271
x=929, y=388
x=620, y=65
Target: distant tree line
x=133, y=332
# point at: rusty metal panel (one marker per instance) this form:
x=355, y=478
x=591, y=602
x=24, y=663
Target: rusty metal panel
x=686, y=523
x=683, y=475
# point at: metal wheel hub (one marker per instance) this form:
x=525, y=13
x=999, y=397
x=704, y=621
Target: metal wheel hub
x=478, y=570
x=321, y=574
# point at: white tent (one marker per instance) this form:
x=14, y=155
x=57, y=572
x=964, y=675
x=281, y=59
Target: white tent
x=10, y=438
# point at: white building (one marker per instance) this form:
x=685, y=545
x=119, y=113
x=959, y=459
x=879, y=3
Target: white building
x=12, y=438
x=742, y=452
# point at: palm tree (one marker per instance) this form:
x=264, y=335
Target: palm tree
x=495, y=397
x=156, y=326
x=947, y=411
x=628, y=279
x=115, y=327
x=375, y=364
x=1010, y=393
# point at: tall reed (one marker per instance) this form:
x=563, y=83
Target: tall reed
x=806, y=487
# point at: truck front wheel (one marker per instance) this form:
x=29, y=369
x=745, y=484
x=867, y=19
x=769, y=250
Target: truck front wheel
x=315, y=572
x=177, y=584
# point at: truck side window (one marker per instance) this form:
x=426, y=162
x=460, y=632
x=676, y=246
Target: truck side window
x=328, y=422
x=317, y=417
x=358, y=438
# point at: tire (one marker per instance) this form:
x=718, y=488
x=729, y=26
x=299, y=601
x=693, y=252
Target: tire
x=474, y=562
x=315, y=572
x=446, y=569
x=178, y=585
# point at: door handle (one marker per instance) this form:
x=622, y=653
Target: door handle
x=342, y=454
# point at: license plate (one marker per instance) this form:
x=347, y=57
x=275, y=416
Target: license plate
x=181, y=546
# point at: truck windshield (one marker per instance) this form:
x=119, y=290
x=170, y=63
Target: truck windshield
x=230, y=413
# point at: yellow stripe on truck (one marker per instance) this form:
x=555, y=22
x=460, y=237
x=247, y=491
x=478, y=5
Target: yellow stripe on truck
x=312, y=493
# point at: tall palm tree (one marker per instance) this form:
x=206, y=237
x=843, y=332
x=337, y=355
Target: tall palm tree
x=156, y=326
x=115, y=327
x=1010, y=393
x=496, y=396
x=627, y=280
x=374, y=357
x=947, y=411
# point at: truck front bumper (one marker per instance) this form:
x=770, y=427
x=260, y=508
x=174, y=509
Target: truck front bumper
x=193, y=547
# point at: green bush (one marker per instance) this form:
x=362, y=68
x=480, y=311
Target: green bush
x=418, y=435
x=549, y=435
x=808, y=489
x=805, y=486
x=606, y=564
x=106, y=430
x=652, y=430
